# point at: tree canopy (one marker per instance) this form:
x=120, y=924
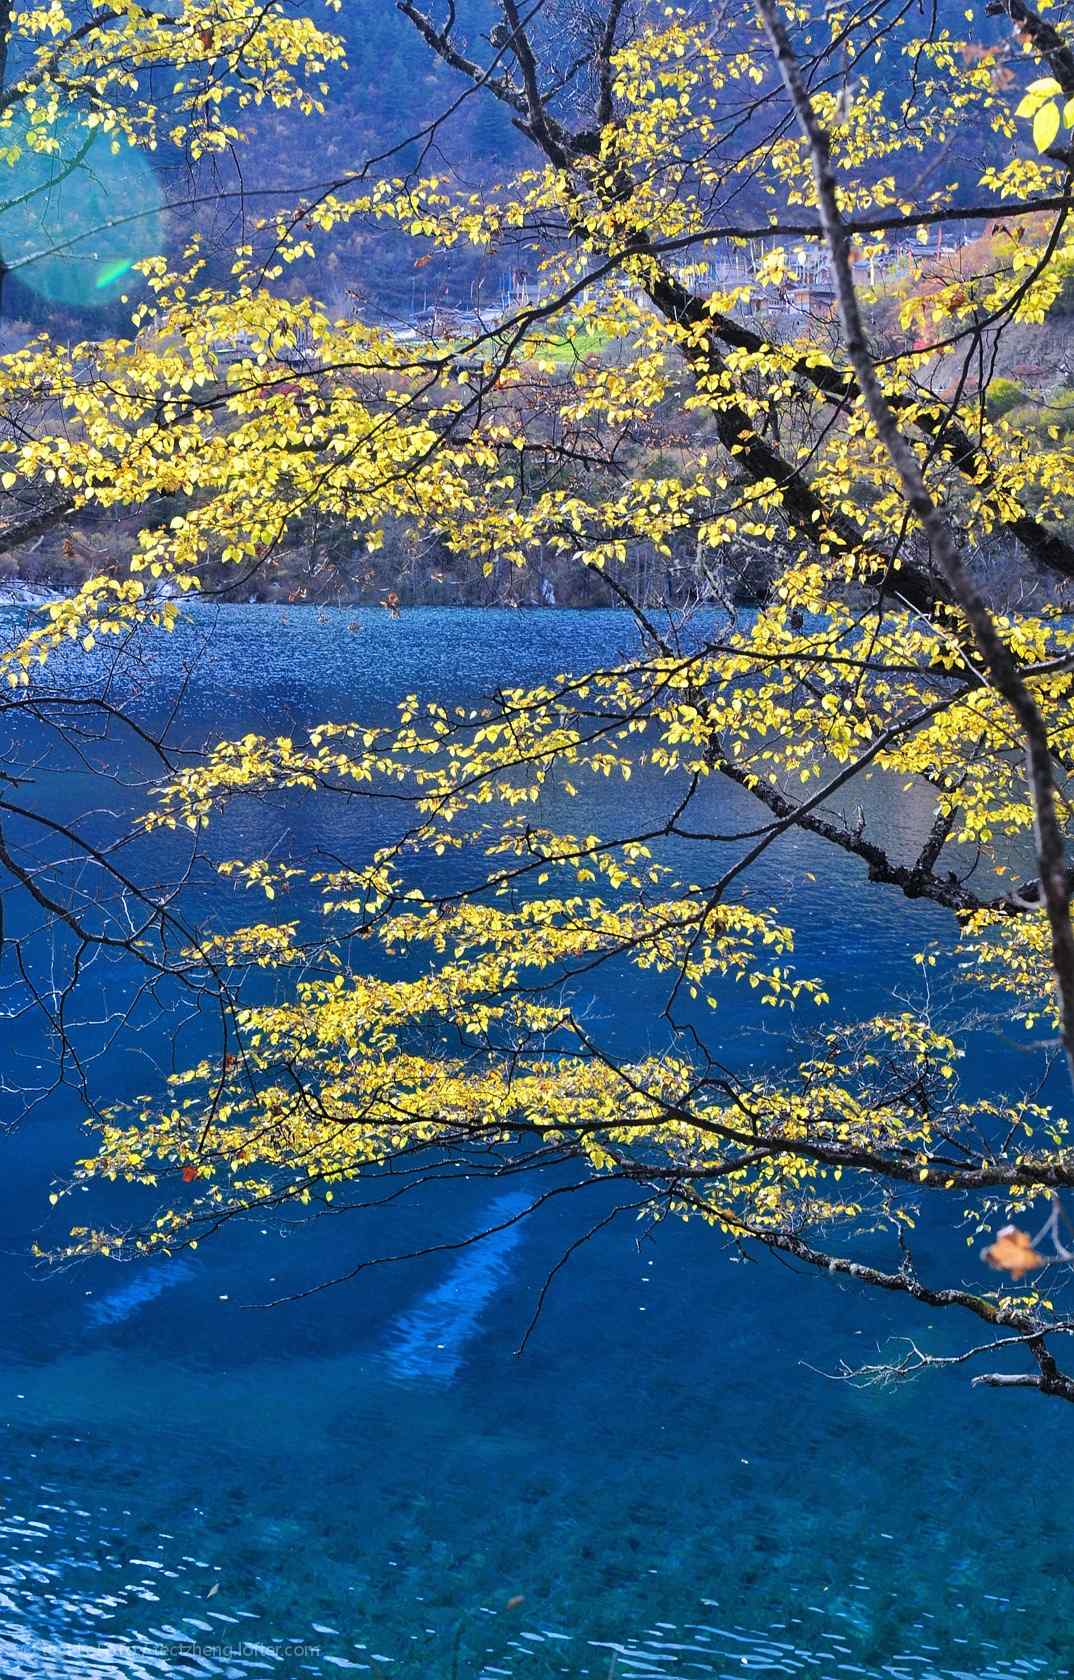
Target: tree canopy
x=834, y=403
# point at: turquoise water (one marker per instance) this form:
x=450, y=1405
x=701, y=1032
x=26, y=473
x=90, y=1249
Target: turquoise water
x=671, y=1481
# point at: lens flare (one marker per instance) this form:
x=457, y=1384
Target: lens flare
x=114, y=271
x=75, y=220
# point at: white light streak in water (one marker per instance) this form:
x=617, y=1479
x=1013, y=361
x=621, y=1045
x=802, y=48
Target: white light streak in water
x=429, y=1341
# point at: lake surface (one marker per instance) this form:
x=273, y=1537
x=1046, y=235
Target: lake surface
x=670, y=1482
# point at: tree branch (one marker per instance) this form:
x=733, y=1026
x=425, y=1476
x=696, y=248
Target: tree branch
x=1000, y=664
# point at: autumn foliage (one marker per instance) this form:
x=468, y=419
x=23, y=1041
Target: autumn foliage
x=671, y=150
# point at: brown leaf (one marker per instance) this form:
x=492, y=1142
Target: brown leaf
x=1013, y=1252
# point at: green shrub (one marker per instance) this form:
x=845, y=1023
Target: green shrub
x=1001, y=396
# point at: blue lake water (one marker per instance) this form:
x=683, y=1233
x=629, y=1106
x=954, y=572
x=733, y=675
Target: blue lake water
x=669, y=1482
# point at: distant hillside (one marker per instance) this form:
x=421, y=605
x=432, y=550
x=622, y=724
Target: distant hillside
x=380, y=108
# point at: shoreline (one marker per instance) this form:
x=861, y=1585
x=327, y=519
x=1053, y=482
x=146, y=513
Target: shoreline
x=32, y=596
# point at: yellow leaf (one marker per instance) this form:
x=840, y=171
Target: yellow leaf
x=1045, y=126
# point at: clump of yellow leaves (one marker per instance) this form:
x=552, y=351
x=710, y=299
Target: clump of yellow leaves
x=1041, y=103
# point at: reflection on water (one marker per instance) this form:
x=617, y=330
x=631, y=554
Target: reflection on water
x=70, y=1575
x=368, y=1480
x=151, y=1282
x=428, y=1342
